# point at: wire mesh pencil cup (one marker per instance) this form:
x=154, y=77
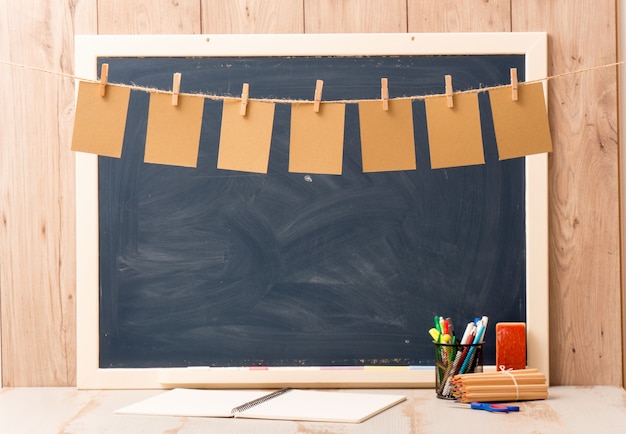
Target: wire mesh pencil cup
x=454, y=359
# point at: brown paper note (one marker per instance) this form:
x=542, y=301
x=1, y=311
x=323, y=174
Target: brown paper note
x=521, y=126
x=387, y=138
x=454, y=134
x=100, y=121
x=316, y=139
x=173, y=135
x=245, y=140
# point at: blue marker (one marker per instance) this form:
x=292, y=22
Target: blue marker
x=480, y=332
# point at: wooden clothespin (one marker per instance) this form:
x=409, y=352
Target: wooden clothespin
x=514, y=83
x=318, y=95
x=449, y=91
x=104, y=78
x=384, y=93
x=245, y=90
x=176, y=88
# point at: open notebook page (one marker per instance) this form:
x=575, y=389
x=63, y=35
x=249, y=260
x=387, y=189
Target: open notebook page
x=311, y=405
x=328, y=406
x=193, y=402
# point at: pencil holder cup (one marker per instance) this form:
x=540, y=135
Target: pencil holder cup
x=454, y=359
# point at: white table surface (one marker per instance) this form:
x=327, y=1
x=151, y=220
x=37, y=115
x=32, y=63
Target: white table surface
x=568, y=409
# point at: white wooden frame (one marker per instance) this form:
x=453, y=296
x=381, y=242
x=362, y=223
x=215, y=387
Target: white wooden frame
x=90, y=47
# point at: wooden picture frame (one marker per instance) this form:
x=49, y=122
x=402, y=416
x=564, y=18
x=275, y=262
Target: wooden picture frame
x=91, y=47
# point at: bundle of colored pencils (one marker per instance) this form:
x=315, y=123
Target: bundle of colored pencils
x=500, y=386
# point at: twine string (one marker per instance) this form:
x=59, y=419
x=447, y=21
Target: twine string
x=292, y=101
x=503, y=369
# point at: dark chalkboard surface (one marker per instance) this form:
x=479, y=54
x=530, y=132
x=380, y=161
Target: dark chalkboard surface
x=208, y=267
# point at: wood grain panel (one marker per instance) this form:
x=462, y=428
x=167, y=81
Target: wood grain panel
x=36, y=167
x=621, y=111
x=459, y=16
x=352, y=16
x=252, y=16
x=146, y=16
x=36, y=196
x=85, y=14
x=585, y=338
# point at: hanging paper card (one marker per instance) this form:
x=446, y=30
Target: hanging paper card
x=521, y=126
x=100, y=121
x=454, y=133
x=387, y=139
x=173, y=135
x=316, y=139
x=245, y=140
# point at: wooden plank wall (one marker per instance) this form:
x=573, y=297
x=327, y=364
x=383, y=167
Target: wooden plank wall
x=37, y=238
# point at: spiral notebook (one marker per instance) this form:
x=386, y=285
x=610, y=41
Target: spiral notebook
x=284, y=404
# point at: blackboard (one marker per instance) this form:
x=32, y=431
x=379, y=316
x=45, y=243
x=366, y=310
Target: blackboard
x=217, y=268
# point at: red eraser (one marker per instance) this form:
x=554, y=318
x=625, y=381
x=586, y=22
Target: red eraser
x=511, y=345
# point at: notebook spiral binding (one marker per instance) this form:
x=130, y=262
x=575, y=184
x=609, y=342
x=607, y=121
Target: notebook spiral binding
x=261, y=400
